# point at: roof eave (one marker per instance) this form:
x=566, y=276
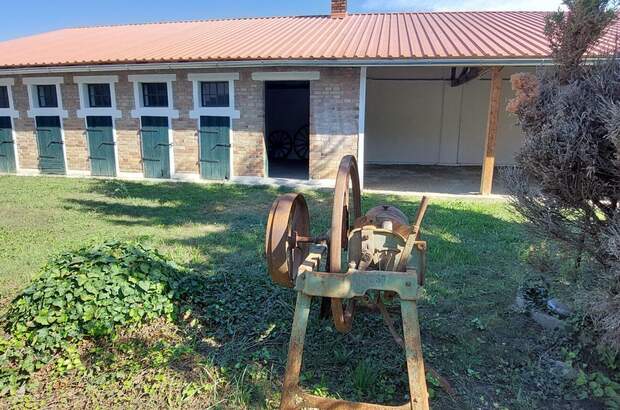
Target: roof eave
x=407, y=62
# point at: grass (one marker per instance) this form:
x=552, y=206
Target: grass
x=231, y=351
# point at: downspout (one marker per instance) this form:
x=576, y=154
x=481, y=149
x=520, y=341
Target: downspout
x=361, y=125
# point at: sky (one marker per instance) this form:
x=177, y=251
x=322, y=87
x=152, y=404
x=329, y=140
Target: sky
x=22, y=18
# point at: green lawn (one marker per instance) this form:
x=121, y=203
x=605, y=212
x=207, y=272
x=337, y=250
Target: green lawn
x=233, y=355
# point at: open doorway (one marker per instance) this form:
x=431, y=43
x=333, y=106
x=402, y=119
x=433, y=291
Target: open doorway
x=287, y=119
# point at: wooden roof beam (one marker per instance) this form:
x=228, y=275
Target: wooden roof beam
x=467, y=74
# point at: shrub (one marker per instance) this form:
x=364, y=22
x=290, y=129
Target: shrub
x=567, y=180
x=84, y=294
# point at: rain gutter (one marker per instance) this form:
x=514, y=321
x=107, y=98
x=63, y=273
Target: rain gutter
x=450, y=62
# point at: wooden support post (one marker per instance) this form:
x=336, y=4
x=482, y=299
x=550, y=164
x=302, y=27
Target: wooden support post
x=488, y=161
x=291, y=390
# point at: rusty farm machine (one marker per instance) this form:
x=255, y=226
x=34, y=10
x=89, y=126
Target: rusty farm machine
x=363, y=258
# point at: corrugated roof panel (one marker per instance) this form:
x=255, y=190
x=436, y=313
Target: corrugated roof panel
x=485, y=40
x=462, y=35
x=448, y=37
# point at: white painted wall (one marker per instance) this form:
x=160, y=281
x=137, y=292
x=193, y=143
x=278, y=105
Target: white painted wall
x=413, y=116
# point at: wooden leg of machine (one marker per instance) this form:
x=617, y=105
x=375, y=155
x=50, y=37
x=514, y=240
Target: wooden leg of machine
x=413, y=350
x=290, y=392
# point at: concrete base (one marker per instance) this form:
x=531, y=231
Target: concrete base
x=287, y=182
x=416, y=180
x=428, y=179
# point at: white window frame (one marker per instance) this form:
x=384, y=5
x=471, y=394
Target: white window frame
x=13, y=114
x=31, y=83
x=140, y=110
x=8, y=112
x=85, y=108
x=199, y=110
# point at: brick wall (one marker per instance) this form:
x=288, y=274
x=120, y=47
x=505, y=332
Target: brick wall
x=76, y=145
x=248, y=131
x=25, y=140
x=185, y=135
x=333, y=123
x=334, y=116
x=127, y=128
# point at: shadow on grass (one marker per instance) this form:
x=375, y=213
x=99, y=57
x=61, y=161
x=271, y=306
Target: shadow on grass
x=469, y=333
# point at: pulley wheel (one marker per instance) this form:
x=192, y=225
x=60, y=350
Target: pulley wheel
x=346, y=209
x=288, y=218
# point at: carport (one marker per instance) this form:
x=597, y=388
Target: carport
x=438, y=129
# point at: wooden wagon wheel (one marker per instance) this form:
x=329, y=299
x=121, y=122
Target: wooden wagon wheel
x=346, y=209
x=301, y=142
x=280, y=144
x=288, y=219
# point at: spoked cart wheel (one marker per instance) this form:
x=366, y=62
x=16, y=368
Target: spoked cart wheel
x=288, y=220
x=280, y=144
x=346, y=209
x=301, y=142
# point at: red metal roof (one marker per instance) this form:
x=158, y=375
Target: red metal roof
x=437, y=35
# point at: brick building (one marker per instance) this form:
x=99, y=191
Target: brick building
x=266, y=97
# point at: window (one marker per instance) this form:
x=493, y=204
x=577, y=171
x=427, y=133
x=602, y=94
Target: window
x=99, y=95
x=155, y=94
x=214, y=93
x=4, y=97
x=47, y=97
x=44, y=96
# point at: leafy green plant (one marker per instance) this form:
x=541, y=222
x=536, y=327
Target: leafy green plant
x=321, y=388
x=432, y=385
x=609, y=357
x=364, y=377
x=115, y=188
x=84, y=294
x=599, y=386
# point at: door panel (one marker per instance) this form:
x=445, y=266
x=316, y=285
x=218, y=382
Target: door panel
x=7, y=146
x=155, y=147
x=49, y=141
x=215, y=147
x=101, y=146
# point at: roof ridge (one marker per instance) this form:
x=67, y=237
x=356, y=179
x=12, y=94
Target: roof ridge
x=154, y=23
x=208, y=20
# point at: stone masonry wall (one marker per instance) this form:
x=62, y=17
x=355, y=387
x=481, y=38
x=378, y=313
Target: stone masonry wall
x=333, y=123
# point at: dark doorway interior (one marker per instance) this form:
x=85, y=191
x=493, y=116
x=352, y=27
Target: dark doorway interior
x=287, y=119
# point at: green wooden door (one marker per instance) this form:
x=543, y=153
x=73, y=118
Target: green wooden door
x=49, y=141
x=215, y=147
x=101, y=146
x=7, y=146
x=155, y=147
